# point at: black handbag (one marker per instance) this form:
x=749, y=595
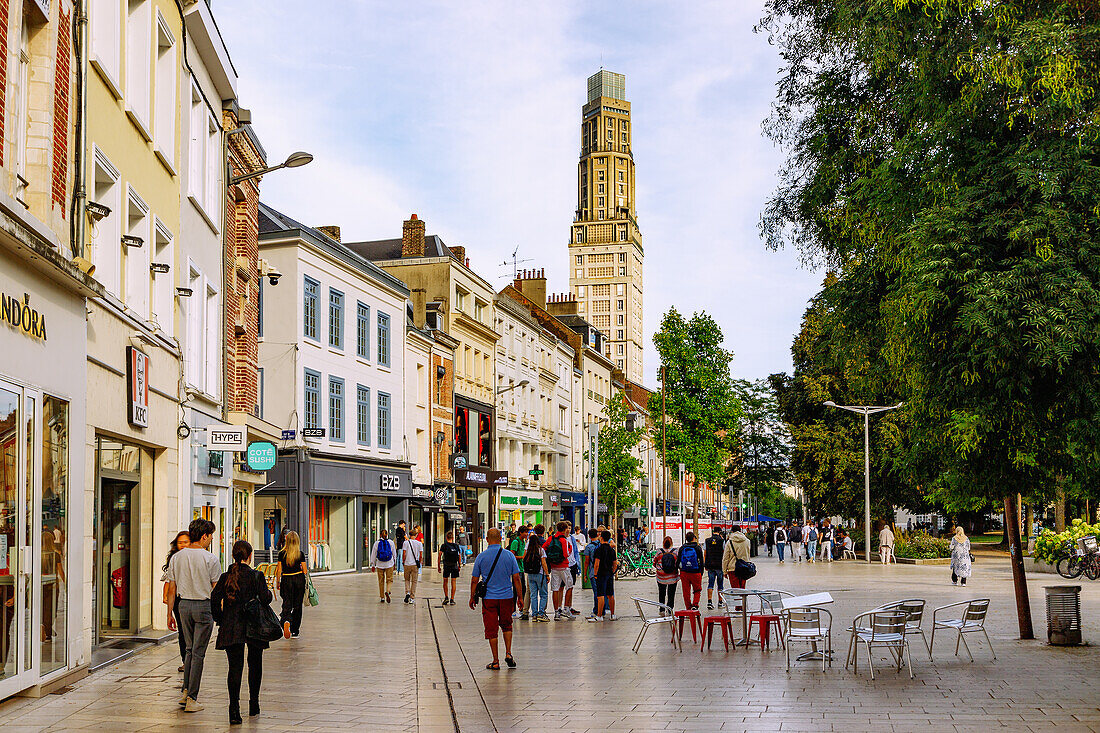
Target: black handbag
x=744, y=569
x=260, y=622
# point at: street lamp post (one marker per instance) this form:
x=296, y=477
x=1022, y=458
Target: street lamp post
x=866, y=411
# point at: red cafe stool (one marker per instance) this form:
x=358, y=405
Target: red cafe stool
x=723, y=622
x=694, y=617
x=764, y=623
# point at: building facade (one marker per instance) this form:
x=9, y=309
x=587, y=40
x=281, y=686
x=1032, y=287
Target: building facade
x=332, y=349
x=605, y=244
x=448, y=296
x=45, y=638
x=131, y=164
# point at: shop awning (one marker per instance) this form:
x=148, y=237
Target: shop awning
x=455, y=515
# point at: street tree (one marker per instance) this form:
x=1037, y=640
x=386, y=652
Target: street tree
x=761, y=460
x=701, y=408
x=618, y=467
x=944, y=161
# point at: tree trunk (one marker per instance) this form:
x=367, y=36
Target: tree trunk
x=1060, y=510
x=695, y=509
x=1019, y=581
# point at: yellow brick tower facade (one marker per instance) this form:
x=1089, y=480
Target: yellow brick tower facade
x=605, y=244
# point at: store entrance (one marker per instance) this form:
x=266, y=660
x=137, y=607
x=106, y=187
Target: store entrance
x=116, y=503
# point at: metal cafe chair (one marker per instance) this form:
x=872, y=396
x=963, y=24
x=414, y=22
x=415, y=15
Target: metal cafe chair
x=810, y=626
x=971, y=621
x=880, y=628
x=914, y=607
x=659, y=613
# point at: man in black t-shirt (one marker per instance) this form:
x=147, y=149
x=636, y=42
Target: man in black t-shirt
x=605, y=562
x=399, y=540
x=450, y=560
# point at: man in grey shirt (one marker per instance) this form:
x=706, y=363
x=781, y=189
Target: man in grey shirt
x=192, y=574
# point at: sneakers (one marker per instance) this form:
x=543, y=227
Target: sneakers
x=594, y=619
x=407, y=597
x=387, y=598
x=183, y=699
x=612, y=617
x=542, y=618
x=192, y=706
x=710, y=606
x=721, y=603
x=524, y=617
x=286, y=629
x=381, y=600
x=515, y=614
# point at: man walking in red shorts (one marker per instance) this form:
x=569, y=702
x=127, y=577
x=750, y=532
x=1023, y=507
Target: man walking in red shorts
x=500, y=571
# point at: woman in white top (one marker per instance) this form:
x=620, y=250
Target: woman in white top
x=960, y=557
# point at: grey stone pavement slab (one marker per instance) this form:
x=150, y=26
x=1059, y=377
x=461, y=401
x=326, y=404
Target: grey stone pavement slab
x=361, y=665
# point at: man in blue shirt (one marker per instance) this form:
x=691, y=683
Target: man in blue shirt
x=501, y=573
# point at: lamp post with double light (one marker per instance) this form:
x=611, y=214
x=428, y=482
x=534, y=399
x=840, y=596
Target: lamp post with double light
x=866, y=411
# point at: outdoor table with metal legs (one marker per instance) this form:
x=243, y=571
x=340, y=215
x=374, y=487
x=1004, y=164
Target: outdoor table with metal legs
x=743, y=594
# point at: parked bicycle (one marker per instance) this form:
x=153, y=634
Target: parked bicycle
x=1075, y=558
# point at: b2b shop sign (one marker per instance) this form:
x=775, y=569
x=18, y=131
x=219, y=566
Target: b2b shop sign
x=137, y=380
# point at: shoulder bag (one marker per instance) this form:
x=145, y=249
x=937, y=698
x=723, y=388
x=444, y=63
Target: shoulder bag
x=261, y=623
x=311, y=593
x=482, y=588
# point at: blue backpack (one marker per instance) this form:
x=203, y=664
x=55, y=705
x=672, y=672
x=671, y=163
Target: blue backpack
x=689, y=559
x=385, y=550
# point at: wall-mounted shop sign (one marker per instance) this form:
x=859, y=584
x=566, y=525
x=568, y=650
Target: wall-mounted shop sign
x=22, y=317
x=390, y=482
x=313, y=432
x=137, y=381
x=261, y=456
x=481, y=479
x=225, y=437
x=521, y=500
x=421, y=492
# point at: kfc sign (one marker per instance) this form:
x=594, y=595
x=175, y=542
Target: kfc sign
x=137, y=380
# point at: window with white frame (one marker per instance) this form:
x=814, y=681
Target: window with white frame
x=107, y=232
x=105, y=18
x=164, y=108
x=196, y=147
x=135, y=255
x=21, y=93
x=194, y=345
x=139, y=41
x=160, y=287
x=213, y=167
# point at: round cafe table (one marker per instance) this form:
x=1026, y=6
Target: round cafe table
x=742, y=596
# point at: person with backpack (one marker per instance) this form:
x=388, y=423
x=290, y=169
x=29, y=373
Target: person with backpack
x=557, y=558
x=795, y=538
x=534, y=565
x=235, y=588
x=574, y=566
x=450, y=563
x=603, y=577
x=826, y=539
x=589, y=553
x=667, y=565
x=735, y=560
x=712, y=561
x=780, y=541
x=518, y=547
x=383, y=556
x=811, y=541
x=691, y=571
x=412, y=556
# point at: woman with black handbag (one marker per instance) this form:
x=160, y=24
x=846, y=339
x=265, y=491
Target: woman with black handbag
x=236, y=587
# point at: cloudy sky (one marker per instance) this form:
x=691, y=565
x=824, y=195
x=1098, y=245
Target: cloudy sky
x=467, y=113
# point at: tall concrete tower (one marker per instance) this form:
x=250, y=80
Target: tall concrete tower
x=605, y=244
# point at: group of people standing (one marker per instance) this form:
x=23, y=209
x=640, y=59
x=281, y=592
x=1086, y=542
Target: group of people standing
x=812, y=541
x=721, y=557
x=199, y=595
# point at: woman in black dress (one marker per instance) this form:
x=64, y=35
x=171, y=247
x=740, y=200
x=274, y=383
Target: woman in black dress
x=235, y=588
x=291, y=573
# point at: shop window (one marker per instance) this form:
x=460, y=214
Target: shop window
x=55, y=500
x=362, y=415
x=383, y=340
x=362, y=331
x=312, y=399
x=335, y=319
x=336, y=409
x=309, y=308
x=383, y=420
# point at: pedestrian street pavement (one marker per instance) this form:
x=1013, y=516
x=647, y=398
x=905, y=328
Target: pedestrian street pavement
x=367, y=666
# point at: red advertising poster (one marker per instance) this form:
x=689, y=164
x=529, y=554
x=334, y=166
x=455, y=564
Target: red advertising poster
x=484, y=439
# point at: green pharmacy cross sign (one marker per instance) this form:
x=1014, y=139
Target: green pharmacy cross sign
x=536, y=471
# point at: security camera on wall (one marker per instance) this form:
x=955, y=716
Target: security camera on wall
x=269, y=271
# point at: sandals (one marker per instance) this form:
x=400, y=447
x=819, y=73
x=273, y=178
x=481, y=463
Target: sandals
x=493, y=666
x=510, y=662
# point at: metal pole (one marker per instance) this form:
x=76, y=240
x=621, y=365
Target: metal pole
x=664, y=457
x=867, y=482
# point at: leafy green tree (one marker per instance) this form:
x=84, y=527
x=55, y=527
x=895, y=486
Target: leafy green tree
x=618, y=469
x=701, y=406
x=762, y=458
x=944, y=161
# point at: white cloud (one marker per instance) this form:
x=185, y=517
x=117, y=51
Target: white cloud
x=468, y=114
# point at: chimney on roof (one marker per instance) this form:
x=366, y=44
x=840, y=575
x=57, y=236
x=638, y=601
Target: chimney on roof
x=563, y=304
x=412, y=237
x=532, y=283
x=332, y=232
x=459, y=253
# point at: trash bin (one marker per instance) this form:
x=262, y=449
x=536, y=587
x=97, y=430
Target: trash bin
x=754, y=543
x=1063, y=615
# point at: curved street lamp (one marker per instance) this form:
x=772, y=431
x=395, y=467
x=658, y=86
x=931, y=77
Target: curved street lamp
x=294, y=160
